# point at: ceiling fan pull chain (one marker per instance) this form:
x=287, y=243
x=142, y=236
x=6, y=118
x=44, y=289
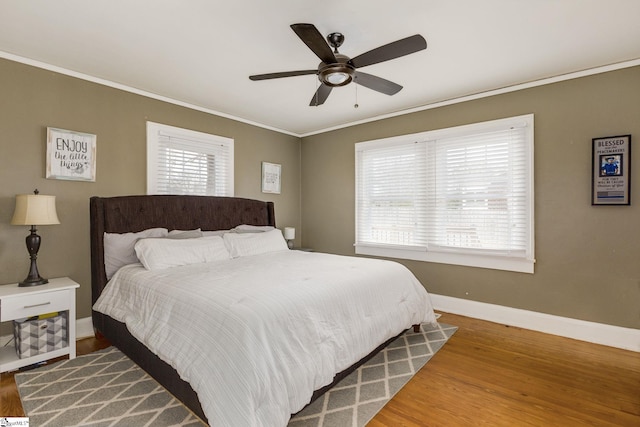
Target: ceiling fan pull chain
x=355, y=84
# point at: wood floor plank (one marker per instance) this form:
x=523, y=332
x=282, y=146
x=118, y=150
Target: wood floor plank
x=491, y=374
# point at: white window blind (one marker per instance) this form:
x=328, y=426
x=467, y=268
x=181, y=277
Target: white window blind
x=480, y=192
x=462, y=195
x=180, y=161
x=392, y=201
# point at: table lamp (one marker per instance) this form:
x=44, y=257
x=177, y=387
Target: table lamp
x=289, y=236
x=34, y=209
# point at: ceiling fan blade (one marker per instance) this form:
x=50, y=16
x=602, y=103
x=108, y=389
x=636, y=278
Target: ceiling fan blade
x=390, y=51
x=321, y=95
x=310, y=35
x=282, y=74
x=377, y=83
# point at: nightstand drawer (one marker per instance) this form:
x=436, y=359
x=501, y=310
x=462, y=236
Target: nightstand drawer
x=19, y=306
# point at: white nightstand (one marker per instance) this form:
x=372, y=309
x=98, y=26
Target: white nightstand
x=16, y=302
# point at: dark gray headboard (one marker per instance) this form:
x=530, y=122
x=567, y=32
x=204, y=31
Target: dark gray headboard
x=136, y=213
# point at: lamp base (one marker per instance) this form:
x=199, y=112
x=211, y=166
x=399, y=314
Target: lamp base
x=33, y=281
x=33, y=245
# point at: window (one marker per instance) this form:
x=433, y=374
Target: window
x=182, y=161
x=461, y=195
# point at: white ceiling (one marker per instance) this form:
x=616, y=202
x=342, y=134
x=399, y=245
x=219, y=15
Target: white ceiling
x=200, y=53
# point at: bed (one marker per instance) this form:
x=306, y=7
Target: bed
x=273, y=345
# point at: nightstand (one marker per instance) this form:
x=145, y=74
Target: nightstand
x=16, y=302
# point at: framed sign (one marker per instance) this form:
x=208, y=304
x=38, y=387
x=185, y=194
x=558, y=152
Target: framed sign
x=271, y=177
x=611, y=173
x=71, y=155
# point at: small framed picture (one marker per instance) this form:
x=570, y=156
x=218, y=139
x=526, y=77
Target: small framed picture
x=611, y=173
x=70, y=155
x=271, y=177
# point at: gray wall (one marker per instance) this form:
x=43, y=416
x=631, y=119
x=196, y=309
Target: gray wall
x=587, y=256
x=587, y=264
x=31, y=99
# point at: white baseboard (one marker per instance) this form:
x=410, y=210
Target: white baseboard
x=598, y=333
x=84, y=328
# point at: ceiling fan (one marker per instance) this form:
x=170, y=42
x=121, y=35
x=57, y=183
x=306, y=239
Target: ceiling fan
x=337, y=69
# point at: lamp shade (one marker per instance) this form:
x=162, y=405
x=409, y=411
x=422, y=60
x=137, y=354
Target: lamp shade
x=289, y=233
x=35, y=209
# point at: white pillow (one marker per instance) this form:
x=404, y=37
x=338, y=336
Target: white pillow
x=243, y=244
x=246, y=228
x=185, y=234
x=158, y=254
x=119, y=248
x=216, y=232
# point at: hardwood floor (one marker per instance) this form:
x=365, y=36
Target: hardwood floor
x=491, y=374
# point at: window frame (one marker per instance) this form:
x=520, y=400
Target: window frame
x=154, y=131
x=466, y=257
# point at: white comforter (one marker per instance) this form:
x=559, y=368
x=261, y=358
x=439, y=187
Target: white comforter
x=256, y=335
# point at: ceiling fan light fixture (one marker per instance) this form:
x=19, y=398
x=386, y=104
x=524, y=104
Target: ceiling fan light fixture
x=337, y=78
x=336, y=74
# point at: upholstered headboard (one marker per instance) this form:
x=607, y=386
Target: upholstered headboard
x=136, y=213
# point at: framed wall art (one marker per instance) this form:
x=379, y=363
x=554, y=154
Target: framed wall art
x=271, y=177
x=611, y=173
x=70, y=155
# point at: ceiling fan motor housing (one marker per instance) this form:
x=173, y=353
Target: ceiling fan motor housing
x=339, y=73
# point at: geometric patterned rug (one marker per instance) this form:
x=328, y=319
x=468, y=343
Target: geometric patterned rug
x=355, y=400
x=105, y=388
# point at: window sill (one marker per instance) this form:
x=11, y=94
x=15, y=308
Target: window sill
x=519, y=265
